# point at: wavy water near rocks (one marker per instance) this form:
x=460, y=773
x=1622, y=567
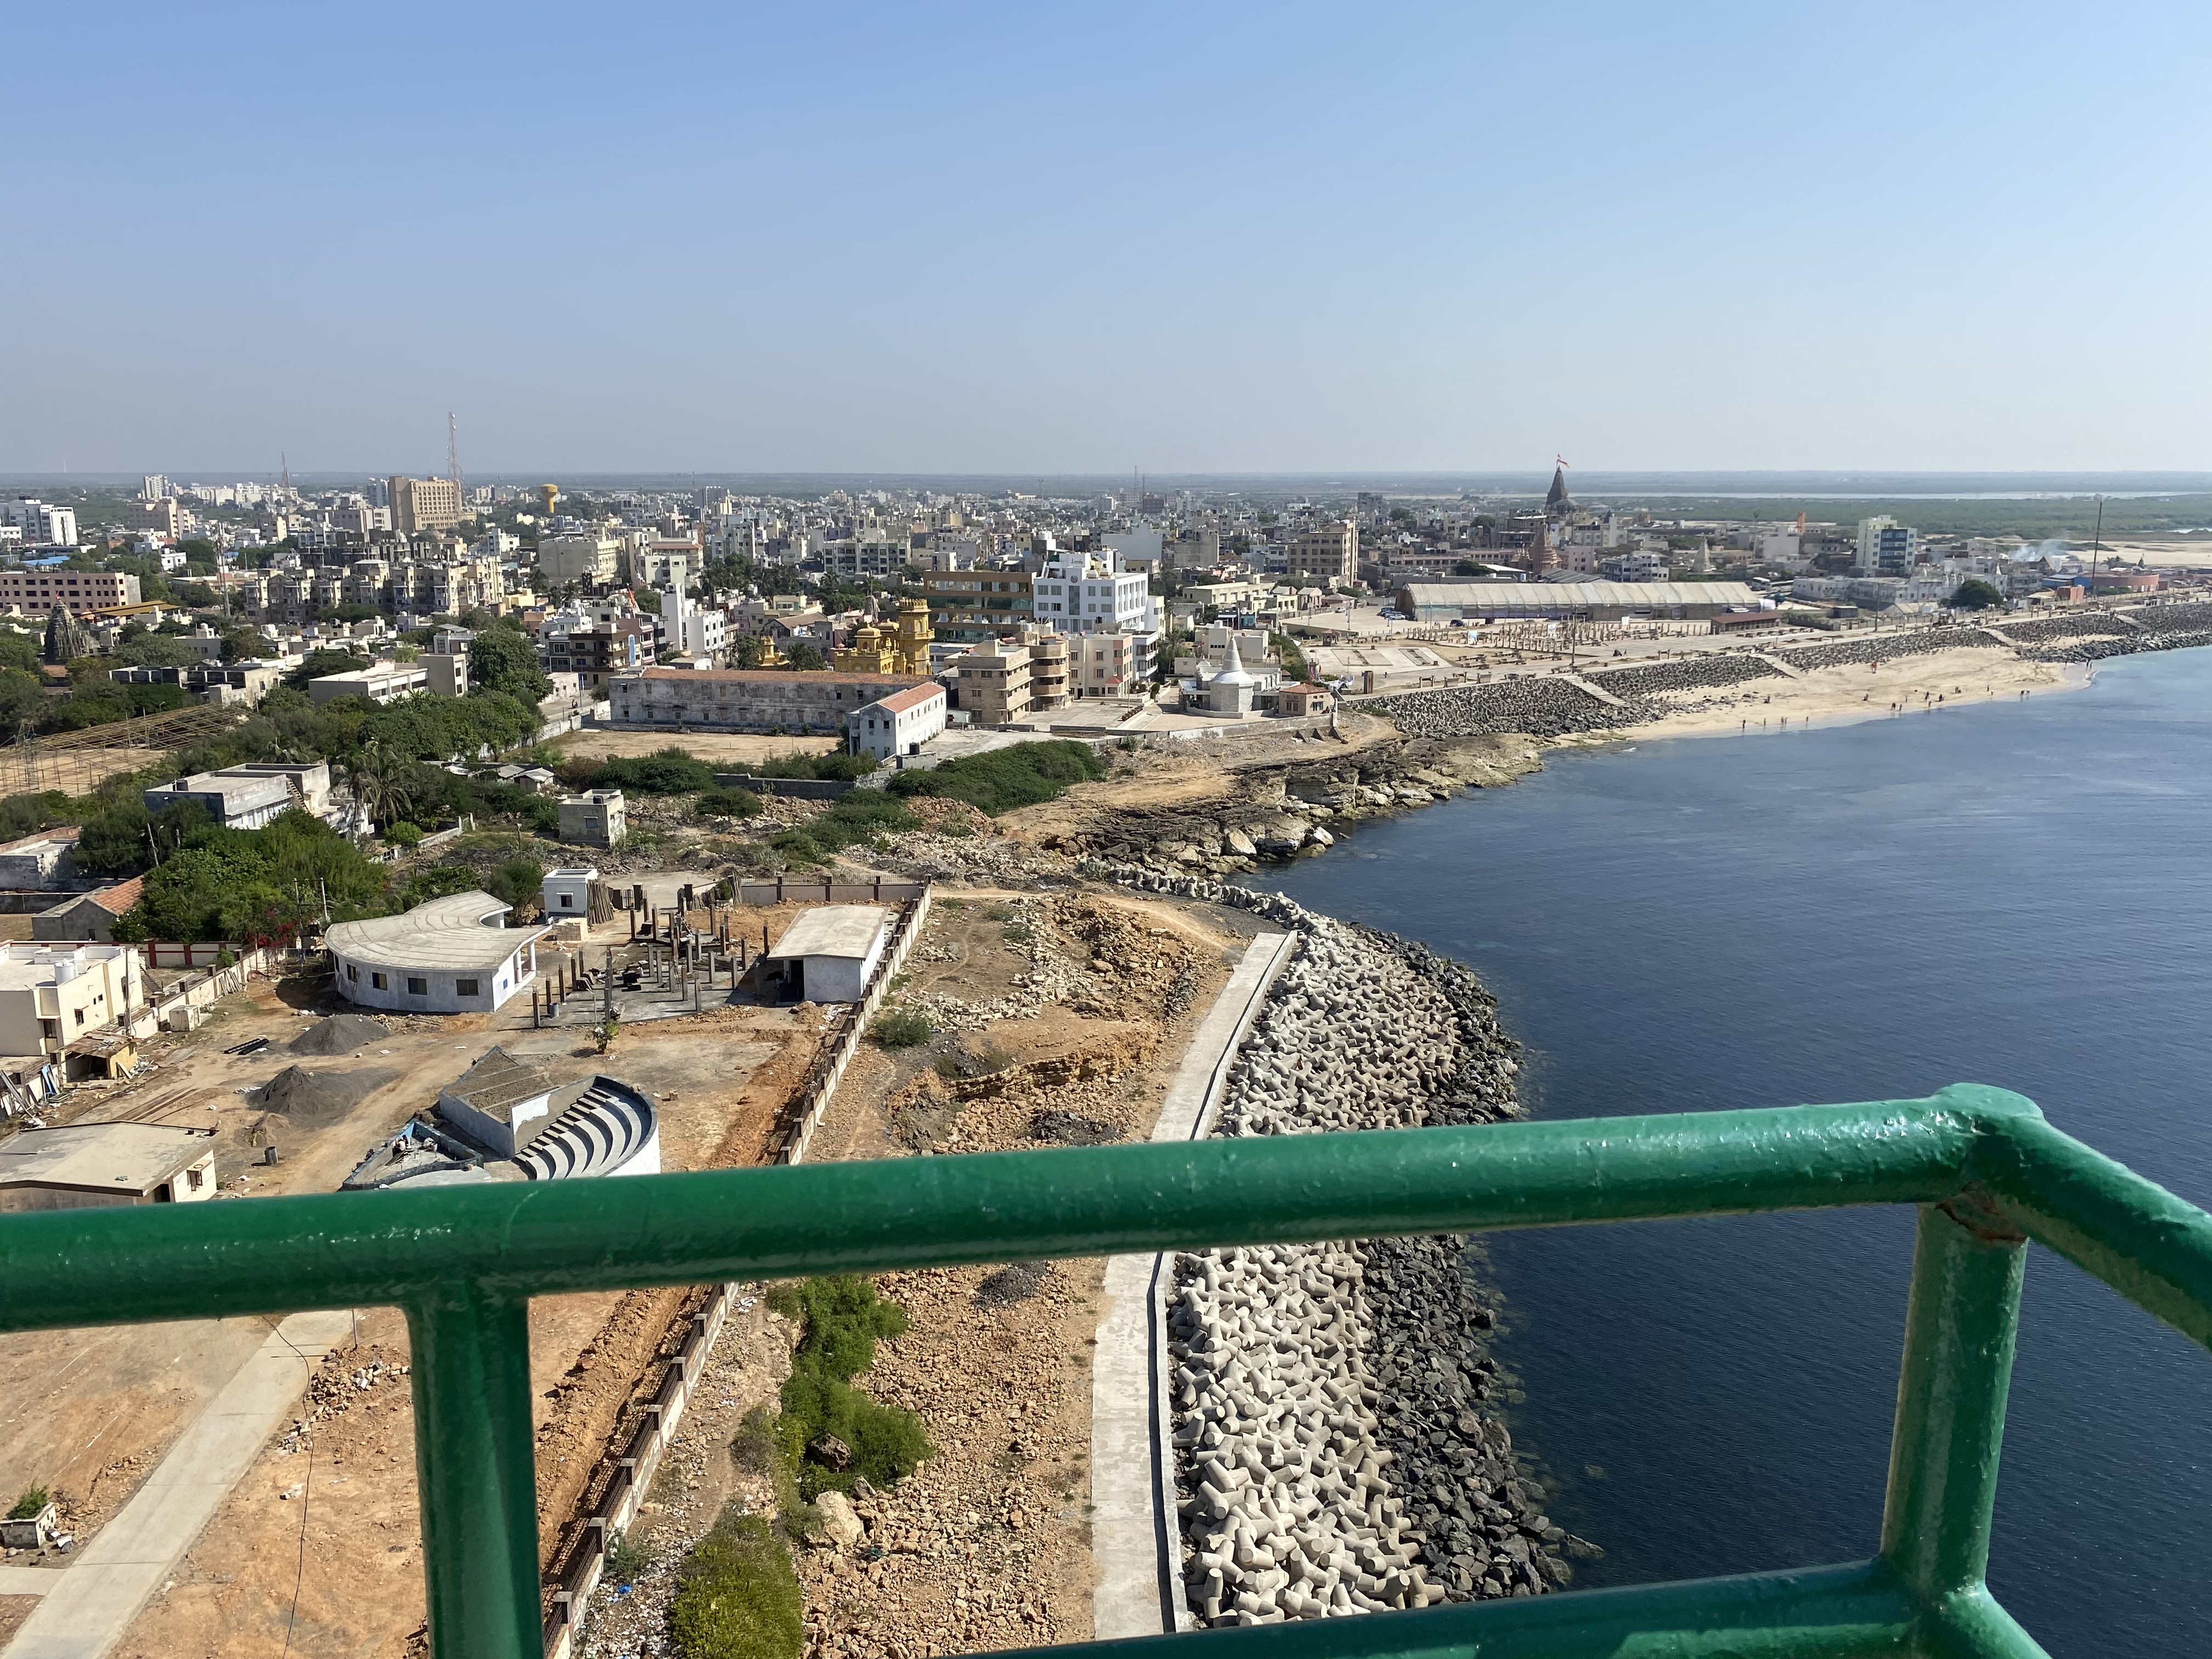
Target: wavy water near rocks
x=1337, y=1445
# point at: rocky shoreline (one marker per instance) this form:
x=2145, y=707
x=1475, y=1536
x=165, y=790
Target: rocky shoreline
x=1338, y=1447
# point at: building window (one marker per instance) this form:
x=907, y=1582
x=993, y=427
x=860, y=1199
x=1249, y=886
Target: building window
x=79, y=1016
x=192, y=1179
x=376, y=982
x=417, y=987
x=465, y=987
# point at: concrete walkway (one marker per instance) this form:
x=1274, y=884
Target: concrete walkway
x=91, y=1602
x=1134, y=1537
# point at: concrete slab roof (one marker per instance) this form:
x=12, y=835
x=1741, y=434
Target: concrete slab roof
x=122, y=1158
x=834, y=930
x=451, y=934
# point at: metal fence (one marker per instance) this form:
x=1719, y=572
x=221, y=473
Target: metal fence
x=1987, y=1171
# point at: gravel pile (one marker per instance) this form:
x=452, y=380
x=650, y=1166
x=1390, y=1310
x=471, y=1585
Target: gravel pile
x=1334, y=1449
x=340, y=1033
x=312, y=1099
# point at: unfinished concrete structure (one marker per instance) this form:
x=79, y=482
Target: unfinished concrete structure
x=827, y=955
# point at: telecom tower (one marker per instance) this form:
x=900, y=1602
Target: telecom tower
x=453, y=460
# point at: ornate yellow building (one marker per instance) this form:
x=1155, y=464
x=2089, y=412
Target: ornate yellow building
x=900, y=650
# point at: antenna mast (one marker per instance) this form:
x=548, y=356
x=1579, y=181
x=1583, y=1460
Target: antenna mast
x=453, y=453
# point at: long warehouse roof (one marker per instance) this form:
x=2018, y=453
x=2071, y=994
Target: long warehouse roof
x=1482, y=599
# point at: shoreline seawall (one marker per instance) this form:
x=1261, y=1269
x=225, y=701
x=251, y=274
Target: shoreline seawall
x=1338, y=1446
x=1484, y=735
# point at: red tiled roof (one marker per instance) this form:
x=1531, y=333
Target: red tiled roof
x=121, y=896
x=913, y=697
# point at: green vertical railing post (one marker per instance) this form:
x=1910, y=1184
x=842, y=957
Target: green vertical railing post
x=1959, y=1326
x=476, y=1469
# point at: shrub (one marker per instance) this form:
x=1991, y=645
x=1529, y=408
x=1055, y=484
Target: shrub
x=402, y=833
x=668, y=772
x=727, y=803
x=833, y=765
x=626, y=1560
x=27, y=1506
x=999, y=779
x=844, y=1318
x=738, y=1597
x=901, y=1029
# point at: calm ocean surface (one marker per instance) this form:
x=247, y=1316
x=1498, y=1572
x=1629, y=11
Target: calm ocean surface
x=2011, y=893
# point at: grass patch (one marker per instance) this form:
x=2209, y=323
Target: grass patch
x=738, y=1596
x=1000, y=780
x=844, y=1319
x=860, y=816
x=901, y=1029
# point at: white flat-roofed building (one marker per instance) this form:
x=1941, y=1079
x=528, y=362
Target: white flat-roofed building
x=388, y=681
x=53, y=994
x=830, y=951
x=1446, y=602
x=83, y=1166
x=899, y=723
x=567, y=892
x=37, y=863
x=235, y=803
x=449, y=956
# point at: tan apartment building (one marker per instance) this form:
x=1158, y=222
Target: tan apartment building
x=747, y=699
x=424, y=504
x=50, y=995
x=1328, y=552
x=994, y=684
x=968, y=606
x=77, y=591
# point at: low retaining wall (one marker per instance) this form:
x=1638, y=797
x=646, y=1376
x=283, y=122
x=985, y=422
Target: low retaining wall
x=812, y=1098
x=794, y=788
x=780, y=891
x=635, y=1464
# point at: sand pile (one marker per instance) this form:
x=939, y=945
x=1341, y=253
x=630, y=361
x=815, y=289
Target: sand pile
x=311, y=1099
x=340, y=1033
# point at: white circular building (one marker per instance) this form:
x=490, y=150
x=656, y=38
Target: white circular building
x=449, y=955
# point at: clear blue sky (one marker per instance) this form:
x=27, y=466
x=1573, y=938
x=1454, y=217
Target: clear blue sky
x=1030, y=238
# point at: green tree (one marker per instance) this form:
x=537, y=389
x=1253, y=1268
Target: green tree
x=1975, y=595
x=500, y=659
x=804, y=658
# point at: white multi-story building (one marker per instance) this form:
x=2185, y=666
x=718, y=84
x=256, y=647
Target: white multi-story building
x=687, y=630
x=1886, y=548
x=1082, y=592
x=42, y=526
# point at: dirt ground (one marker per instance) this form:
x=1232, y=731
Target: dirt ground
x=1065, y=1015
x=709, y=746
x=91, y=1412
x=1185, y=775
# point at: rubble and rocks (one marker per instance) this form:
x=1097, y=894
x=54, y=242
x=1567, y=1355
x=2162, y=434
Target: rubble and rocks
x=1546, y=705
x=1888, y=647
x=1333, y=1451
x=1684, y=674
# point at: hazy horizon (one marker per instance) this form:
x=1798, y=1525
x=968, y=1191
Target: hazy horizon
x=1222, y=241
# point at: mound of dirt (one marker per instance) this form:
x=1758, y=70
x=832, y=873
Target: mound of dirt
x=1071, y=1128
x=312, y=1099
x=1011, y=1285
x=340, y=1033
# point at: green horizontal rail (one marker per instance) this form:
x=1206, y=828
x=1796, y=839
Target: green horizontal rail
x=1986, y=1172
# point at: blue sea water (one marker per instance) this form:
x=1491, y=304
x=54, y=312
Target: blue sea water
x=2015, y=893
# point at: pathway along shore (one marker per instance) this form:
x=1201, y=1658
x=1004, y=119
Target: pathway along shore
x=1337, y=1443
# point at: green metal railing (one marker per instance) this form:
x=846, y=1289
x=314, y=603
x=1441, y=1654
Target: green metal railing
x=1988, y=1173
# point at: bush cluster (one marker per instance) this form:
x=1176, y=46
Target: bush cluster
x=861, y=816
x=999, y=779
x=902, y=1029
x=727, y=803
x=829, y=766
x=738, y=1597
x=668, y=771
x=844, y=1317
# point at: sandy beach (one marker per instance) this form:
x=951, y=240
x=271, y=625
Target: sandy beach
x=1831, y=696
